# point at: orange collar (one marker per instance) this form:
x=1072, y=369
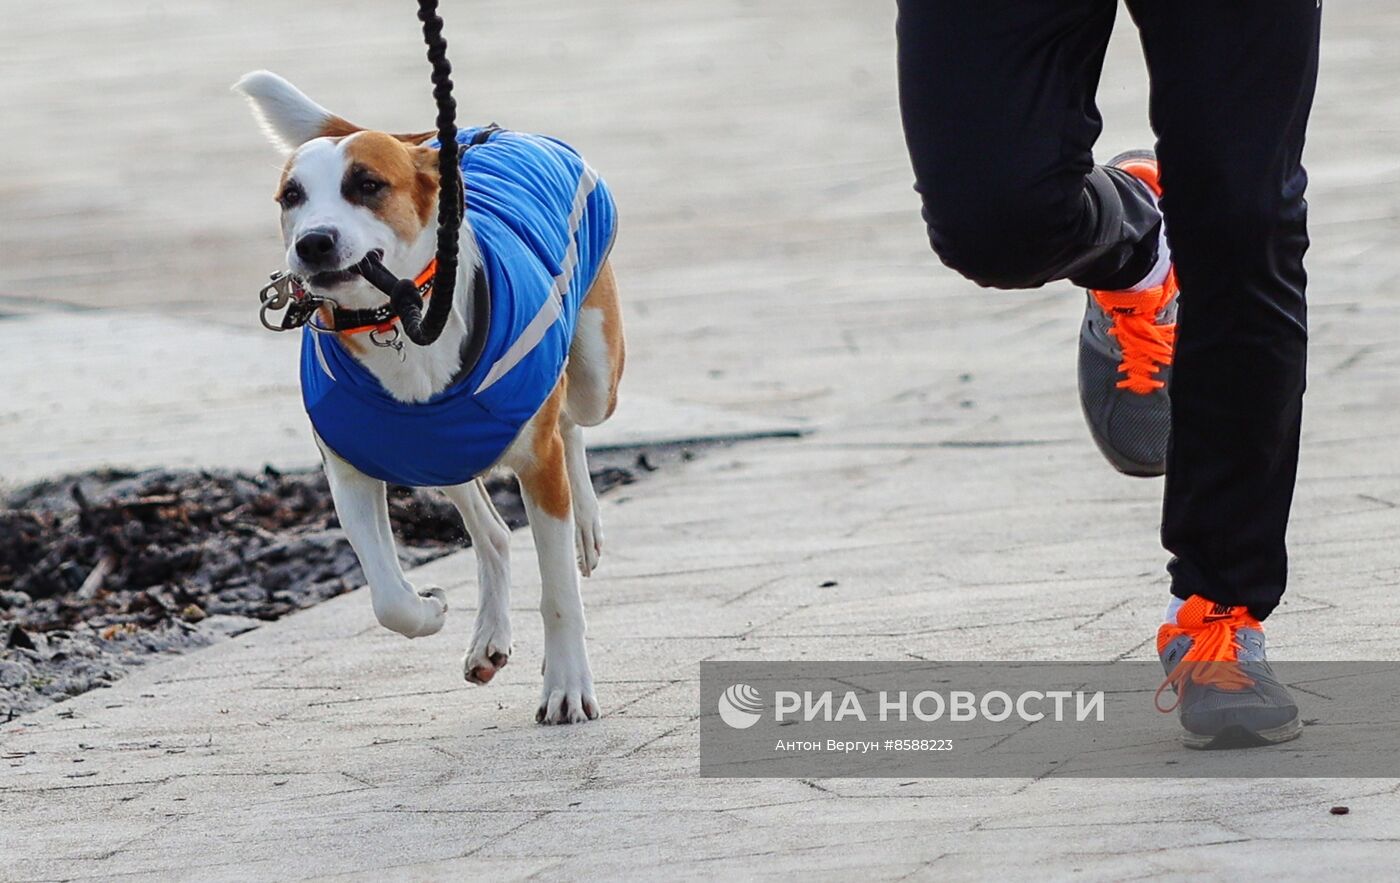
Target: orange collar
x=424, y=282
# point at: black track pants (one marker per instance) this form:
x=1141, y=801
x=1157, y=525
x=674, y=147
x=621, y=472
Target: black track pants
x=998, y=104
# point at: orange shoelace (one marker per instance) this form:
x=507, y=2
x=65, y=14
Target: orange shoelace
x=1146, y=345
x=1214, y=655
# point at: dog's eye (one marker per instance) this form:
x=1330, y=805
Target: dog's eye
x=369, y=186
x=290, y=197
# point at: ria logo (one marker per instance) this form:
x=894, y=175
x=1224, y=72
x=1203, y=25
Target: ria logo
x=740, y=706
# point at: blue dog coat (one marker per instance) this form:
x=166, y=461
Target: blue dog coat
x=544, y=223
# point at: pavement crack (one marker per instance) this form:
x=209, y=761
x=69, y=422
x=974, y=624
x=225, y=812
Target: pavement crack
x=749, y=632
x=652, y=741
x=747, y=592
x=924, y=866
x=1350, y=361
x=354, y=778
x=1101, y=614
x=508, y=832
x=646, y=695
x=354, y=699
x=53, y=788
x=911, y=633
x=1150, y=639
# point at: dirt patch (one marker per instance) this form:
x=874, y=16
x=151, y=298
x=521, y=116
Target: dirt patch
x=102, y=571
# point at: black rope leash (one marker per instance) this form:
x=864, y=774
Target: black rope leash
x=404, y=296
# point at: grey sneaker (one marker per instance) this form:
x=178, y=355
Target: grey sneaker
x=1125, y=356
x=1227, y=695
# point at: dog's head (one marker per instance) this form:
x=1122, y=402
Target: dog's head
x=345, y=192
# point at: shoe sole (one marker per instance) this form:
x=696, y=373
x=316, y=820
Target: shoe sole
x=1237, y=736
x=1130, y=468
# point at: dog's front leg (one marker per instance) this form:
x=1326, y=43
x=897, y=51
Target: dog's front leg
x=588, y=536
x=490, y=647
x=567, y=696
x=363, y=509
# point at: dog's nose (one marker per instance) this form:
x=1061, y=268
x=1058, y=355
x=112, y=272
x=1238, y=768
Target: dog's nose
x=317, y=247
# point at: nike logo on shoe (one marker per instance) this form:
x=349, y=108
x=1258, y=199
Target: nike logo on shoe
x=1217, y=612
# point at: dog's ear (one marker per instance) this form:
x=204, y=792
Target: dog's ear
x=287, y=116
x=425, y=159
x=425, y=165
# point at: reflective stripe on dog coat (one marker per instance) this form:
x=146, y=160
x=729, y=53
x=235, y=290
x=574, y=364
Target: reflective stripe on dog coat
x=544, y=223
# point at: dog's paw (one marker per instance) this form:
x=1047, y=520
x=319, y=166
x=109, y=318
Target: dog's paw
x=568, y=707
x=489, y=652
x=567, y=697
x=588, y=540
x=434, y=611
x=413, y=614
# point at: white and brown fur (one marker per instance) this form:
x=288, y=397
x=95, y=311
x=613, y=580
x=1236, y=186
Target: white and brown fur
x=329, y=159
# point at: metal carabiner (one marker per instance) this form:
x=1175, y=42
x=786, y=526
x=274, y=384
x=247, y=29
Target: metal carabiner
x=276, y=296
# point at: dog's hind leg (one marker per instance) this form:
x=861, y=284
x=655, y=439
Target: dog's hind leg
x=538, y=459
x=490, y=647
x=363, y=509
x=596, y=354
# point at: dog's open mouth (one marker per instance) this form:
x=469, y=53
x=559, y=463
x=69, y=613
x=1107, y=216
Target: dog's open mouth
x=332, y=278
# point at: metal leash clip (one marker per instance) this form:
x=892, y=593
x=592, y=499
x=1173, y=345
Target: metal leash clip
x=284, y=292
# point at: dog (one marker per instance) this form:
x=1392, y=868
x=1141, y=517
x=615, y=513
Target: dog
x=535, y=239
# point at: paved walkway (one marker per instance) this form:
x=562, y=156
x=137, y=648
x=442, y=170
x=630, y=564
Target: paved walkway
x=773, y=266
